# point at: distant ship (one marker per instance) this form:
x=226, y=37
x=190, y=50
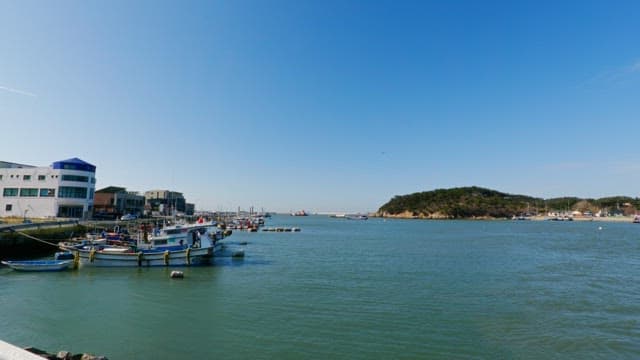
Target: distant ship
x=299, y=213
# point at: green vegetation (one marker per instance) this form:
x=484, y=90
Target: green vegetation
x=476, y=202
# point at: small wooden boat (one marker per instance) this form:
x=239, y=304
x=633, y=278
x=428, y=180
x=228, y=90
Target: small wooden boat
x=39, y=265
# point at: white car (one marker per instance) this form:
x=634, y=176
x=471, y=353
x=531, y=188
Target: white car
x=128, y=217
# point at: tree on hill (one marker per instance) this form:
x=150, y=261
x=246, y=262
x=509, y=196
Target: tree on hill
x=463, y=202
x=477, y=202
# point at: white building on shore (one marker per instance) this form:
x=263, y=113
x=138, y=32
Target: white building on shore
x=65, y=189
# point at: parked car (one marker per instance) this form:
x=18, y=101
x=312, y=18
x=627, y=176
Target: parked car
x=128, y=217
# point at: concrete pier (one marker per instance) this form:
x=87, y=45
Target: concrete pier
x=12, y=352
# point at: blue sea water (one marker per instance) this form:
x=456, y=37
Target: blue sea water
x=345, y=289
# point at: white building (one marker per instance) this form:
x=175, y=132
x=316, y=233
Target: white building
x=64, y=189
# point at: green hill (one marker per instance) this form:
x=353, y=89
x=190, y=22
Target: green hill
x=476, y=202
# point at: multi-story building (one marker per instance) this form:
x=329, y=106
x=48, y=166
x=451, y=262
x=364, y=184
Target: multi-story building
x=165, y=202
x=190, y=209
x=64, y=189
x=115, y=201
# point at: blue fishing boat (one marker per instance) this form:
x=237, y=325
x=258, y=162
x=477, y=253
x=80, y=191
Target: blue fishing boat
x=39, y=265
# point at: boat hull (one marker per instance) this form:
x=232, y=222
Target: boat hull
x=39, y=265
x=183, y=257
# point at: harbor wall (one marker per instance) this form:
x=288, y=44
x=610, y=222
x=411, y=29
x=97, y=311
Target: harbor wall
x=16, y=246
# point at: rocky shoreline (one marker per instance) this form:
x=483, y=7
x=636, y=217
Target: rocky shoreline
x=439, y=216
x=64, y=355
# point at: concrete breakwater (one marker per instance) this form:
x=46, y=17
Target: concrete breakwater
x=10, y=351
x=16, y=246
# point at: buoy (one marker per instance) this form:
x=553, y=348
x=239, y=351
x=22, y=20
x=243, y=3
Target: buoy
x=175, y=274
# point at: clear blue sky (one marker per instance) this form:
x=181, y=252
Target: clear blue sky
x=326, y=105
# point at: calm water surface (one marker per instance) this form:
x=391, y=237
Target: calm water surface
x=344, y=289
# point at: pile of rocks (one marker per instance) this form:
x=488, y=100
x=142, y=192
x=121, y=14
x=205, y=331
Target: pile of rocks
x=64, y=355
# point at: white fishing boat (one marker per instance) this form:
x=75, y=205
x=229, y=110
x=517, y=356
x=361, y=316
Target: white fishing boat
x=177, y=245
x=39, y=265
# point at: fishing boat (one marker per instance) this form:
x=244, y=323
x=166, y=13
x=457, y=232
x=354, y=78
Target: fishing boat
x=177, y=245
x=357, y=217
x=39, y=265
x=300, y=213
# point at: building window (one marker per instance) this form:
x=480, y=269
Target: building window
x=47, y=192
x=26, y=177
x=41, y=177
x=27, y=192
x=70, y=211
x=91, y=194
x=10, y=192
x=75, y=178
x=72, y=192
x=0, y=177
x=8, y=207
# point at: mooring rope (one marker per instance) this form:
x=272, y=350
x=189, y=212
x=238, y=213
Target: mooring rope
x=35, y=238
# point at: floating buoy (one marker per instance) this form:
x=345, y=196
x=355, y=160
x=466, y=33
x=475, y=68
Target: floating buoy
x=175, y=274
x=237, y=254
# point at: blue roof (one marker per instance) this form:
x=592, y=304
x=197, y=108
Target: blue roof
x=74, y=164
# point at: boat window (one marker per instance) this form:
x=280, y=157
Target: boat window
x=160, y=242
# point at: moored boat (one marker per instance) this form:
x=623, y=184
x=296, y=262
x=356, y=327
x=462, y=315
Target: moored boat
x=39, y=265
x=177, y=245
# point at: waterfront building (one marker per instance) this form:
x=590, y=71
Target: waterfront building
x=165, y=202
x=189, y=209
x=114, y=201
x=64, y=189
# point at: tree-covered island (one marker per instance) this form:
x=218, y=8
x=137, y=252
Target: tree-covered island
x=480, y=203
